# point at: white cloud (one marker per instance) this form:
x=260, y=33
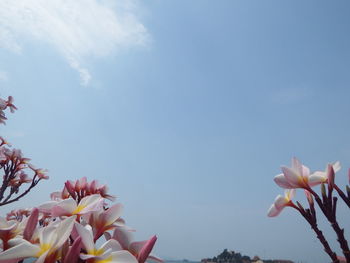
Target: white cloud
x=78, y=29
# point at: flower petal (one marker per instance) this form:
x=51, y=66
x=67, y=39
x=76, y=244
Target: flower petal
x=280, y=202
x=31, y=224
x=64, y=230
x=281, y=181
x=90, y=199
x=305, y=171
x=86, y=236
x=42, y=258
x=146, y=249
x=111, y=244
x=73, y=253
x=111, y=214
x=23, y=250
x=123, y=256
x=65, y=207
x=135, y=247
x=273, y=211
x=317, y=178
x=290, y=193
x=336, y=166
x=292, y=176
x=91, y=203
x=47, y=235
x=86, y=256
x=123, y=236
x=47, y=206
x=297, y=166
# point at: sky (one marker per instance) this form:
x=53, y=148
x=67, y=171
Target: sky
x=186, y=109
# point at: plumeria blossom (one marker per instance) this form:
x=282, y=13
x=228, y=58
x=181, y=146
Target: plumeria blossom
x=66, y=230
x=296, y=176
x=140, y=249
x=108, y=219
x=51, y=239
x=281, y=202
x=9, y=230
x=41, y=173
x=325, y=176
x=68, y=207
x=60, y=195
x=47, y=232
x=111, y=251
x=18, y=214
x=16, y=170
x=299, y=176
x=4, y=104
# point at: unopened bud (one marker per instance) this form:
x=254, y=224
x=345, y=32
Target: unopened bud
x=330, y=175
x=309, y=197
x=70, y=188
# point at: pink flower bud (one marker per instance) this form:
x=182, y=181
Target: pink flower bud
x=70, y=186
x=309, y=197
x=31, y=224
x=330, y=175
x=146, y=249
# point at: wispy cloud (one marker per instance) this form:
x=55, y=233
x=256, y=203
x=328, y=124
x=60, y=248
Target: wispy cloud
x=78, y=29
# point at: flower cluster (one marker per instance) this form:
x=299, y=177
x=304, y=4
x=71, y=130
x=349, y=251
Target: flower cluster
x=4, y=104
x=69, y=228
x=298, y=176
x=19, y=177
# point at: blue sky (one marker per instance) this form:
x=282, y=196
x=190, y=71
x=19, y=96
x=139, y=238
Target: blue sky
x=186, y=109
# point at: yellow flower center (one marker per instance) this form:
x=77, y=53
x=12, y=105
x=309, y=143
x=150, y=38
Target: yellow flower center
x=96, y=252
x=43, y=249
x=106, y=260
x=78, y=209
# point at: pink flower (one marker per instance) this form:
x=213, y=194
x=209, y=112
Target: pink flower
x=281, y=202
x=140, y=249
x=296, y=176
x=325, y=176
x=51, y=239
x=109, y=252
x=41, y=173
x=105, y=220
x=9, y=103
x=9, y=229
x=68, y=207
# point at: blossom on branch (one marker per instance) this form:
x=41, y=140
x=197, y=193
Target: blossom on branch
x=281, y=202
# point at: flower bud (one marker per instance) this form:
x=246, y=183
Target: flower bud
x=330, y=176
x=309, y=197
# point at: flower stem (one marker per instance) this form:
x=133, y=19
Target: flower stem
x=328, y=207
x=310, y=217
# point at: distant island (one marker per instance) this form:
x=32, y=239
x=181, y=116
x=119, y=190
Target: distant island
x=231, y=257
